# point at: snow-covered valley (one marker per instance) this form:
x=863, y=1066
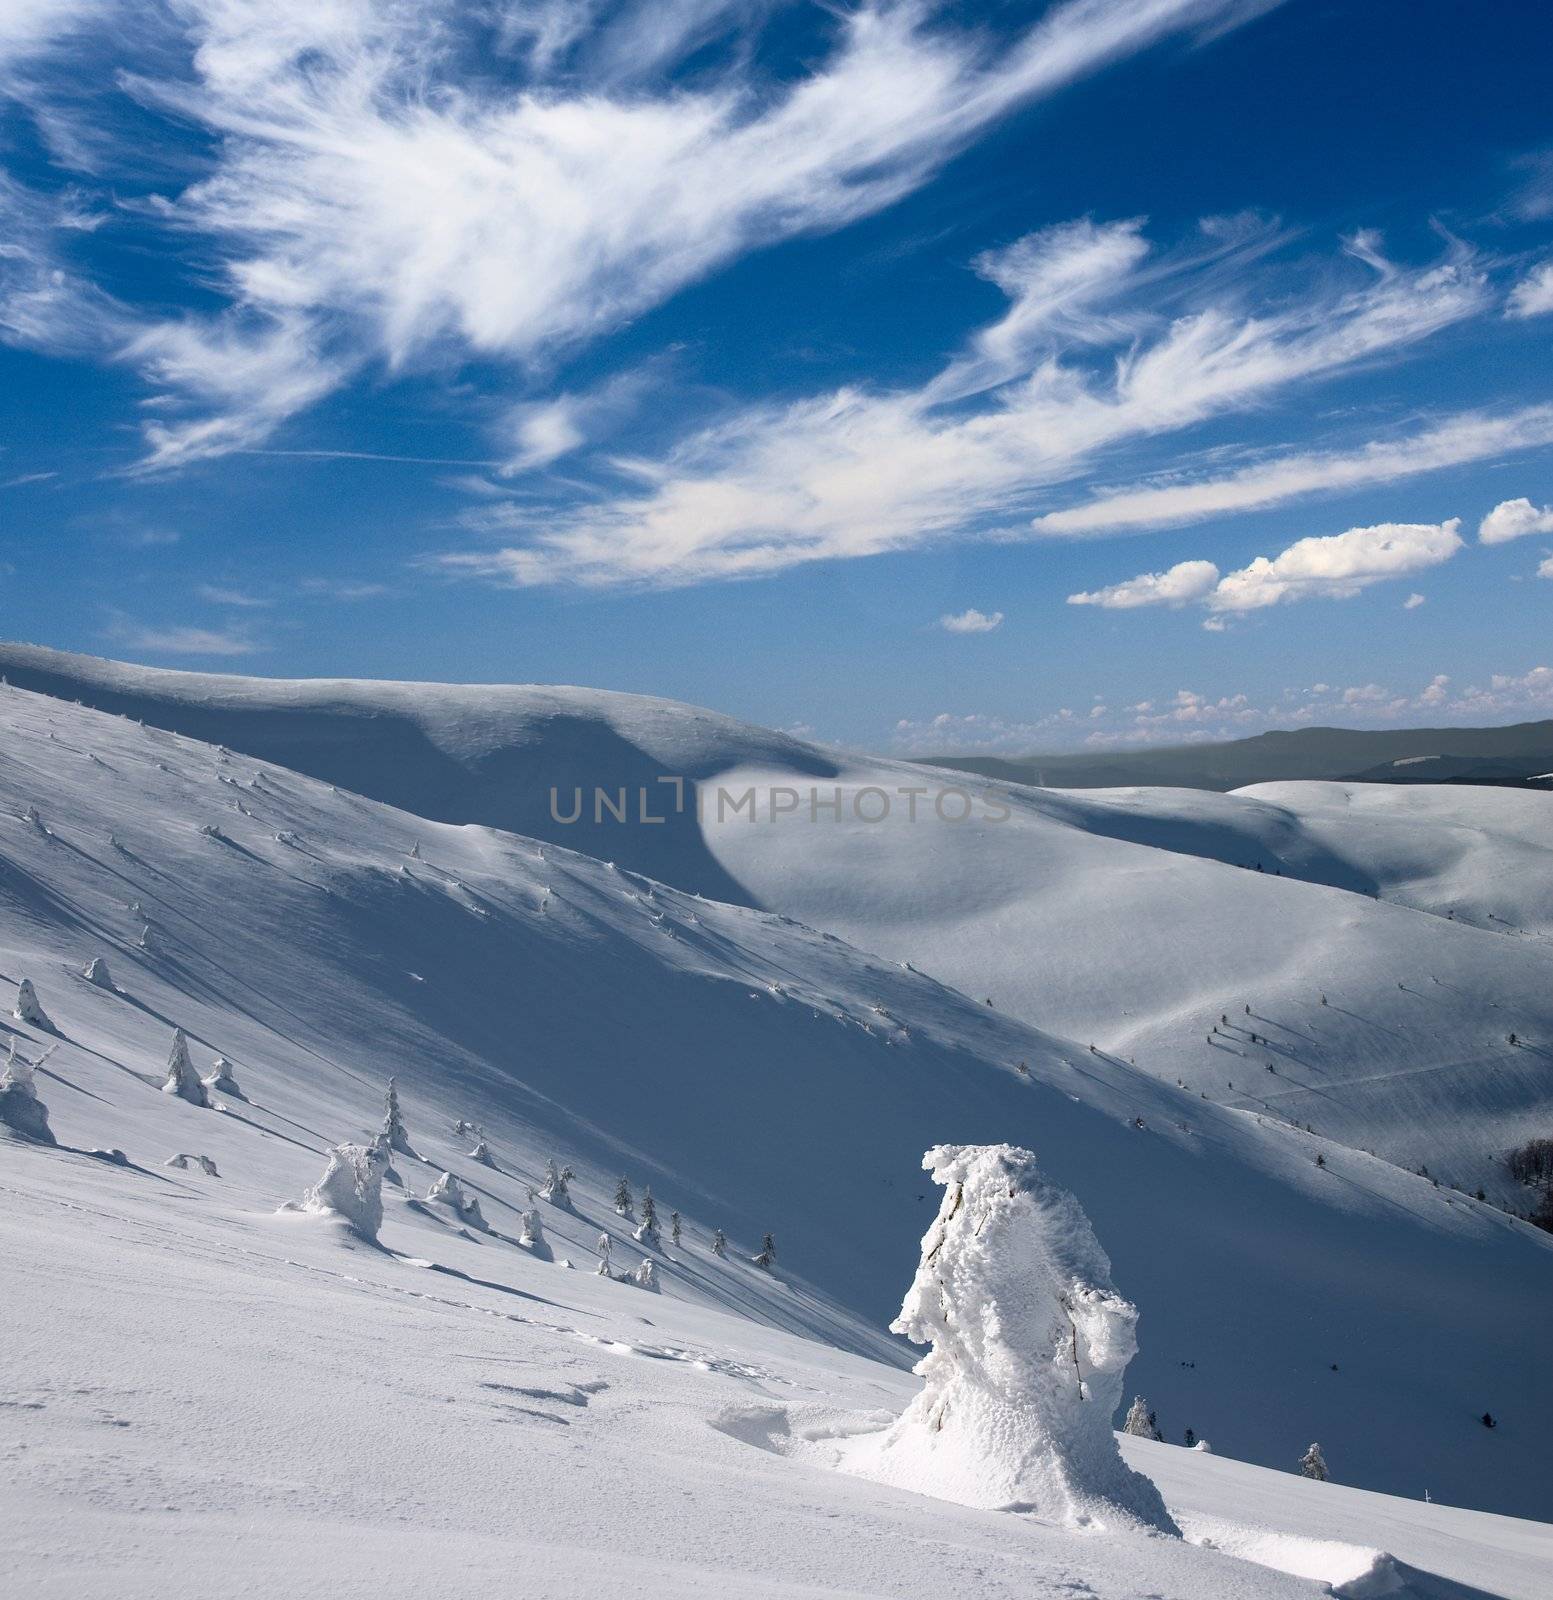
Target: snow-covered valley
x=316, y=899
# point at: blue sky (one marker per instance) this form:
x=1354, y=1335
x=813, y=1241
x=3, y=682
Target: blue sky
x=925, y=377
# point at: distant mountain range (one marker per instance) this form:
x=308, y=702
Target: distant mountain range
x=1519, y=756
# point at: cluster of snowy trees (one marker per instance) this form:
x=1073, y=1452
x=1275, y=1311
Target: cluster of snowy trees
x=1532, y=1164
x=649, y=1233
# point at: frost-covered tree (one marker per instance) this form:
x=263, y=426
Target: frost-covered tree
x=604, y=1245
x=1030, y=1348
x=182, y=1080
x=20, y=1108
x=448, y=1191
x=623, y=1198
x=393, y=1122
x=533, y=1229
x=556, y=1180
x=27, y=1009
x=766, y=1258
x=648, y=1232
x=647, y=1274
x=482, y=1154
x=97, y=972
x=1141, y=1422
x=719, y=1242
x=674, y=1226
x=1314, y=1465
x=221, y=1078
x=351, y=1187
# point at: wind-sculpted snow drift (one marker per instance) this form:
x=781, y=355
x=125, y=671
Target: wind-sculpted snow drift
x=1030, y=1343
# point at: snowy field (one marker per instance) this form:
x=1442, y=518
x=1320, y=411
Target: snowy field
x=207, y=1393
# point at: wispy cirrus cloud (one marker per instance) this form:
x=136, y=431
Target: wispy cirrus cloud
x=370, y=198
x=1533, y=295
x=1448, y=442
x=183, y=640
x=856, y=472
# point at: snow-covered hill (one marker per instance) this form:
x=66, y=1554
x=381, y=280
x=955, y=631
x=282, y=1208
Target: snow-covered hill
x=758, y=1074
x=1135, y=918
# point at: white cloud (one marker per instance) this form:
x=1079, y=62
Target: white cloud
x=1514, y=519
x=1545, y=568
x=1184, y=582
x=218, y=596
x=855, y=473
x=971, y=621
x=1413, y=602
x=1330, y=567
x=1454, y=441
x=371, y=199
x=1533, y=295
x=184, y=641
x=1338, y=566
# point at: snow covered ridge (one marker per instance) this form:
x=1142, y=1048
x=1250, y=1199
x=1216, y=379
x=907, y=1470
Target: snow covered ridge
x=760, y=1076
x=1388, y=940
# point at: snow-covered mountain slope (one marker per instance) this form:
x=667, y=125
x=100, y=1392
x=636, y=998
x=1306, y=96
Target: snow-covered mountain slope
x=1132, y=918
x=203, y=1398
x=486, y=753
x=758, y=1074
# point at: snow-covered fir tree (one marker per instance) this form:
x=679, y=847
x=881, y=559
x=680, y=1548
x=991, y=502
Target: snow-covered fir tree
x=27, y=1009
x=623, y=1198
x=556, y=1180
x=719, y=1242
x=674, y=1226
x=1314, y=1465
x=533, y=1229
x=20, y=1108
x=647, y=1274
x=351, y=1187
x=1016, y=1409
x=604, y=1245
x=1141, y=1422
x=766, y=1257
x=97, y=973
x=647, y=1233
x=182, y=1080
x=393, y=1121
x=221, y=1078
x=448, y=1191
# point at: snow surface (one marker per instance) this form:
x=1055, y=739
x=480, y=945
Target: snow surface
x=303, y=1412
x=1130, y=918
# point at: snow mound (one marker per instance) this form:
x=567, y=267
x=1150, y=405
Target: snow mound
x=1030, y=1345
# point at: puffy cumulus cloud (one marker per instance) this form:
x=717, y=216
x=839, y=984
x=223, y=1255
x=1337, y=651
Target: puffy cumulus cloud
x=971, y=621
x=1514, y=519
x=1181, y=584
x=1331, y=567
x=1533, y=295
x=1338, y=566
x=1413, y=602
x=1545, y=567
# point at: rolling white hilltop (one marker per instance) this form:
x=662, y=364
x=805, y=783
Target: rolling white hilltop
x=193, y=1371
